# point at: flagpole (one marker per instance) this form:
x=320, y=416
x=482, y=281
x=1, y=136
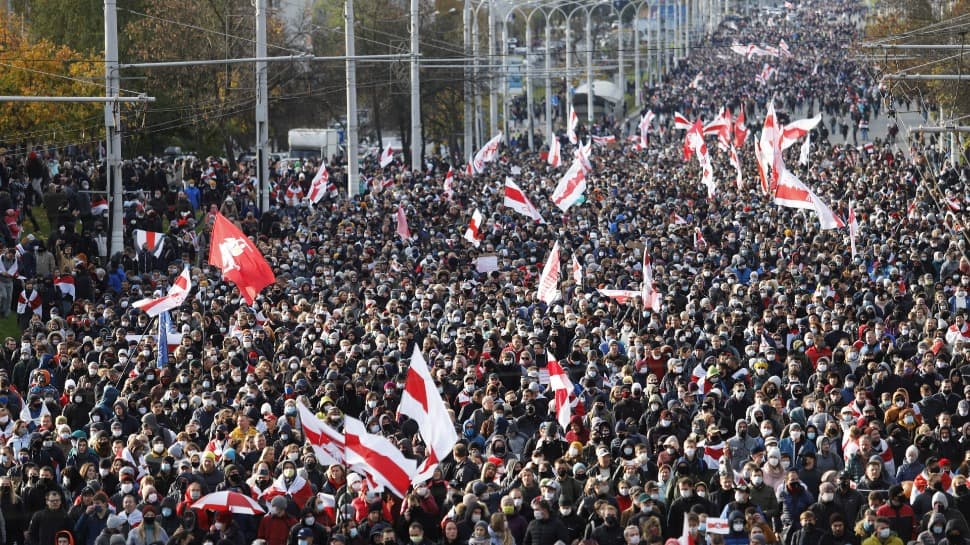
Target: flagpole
x=152, y=323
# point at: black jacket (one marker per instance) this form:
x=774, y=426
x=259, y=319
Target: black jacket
x=545, y=532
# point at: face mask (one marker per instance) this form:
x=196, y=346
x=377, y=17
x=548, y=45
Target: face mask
x=308, y=521
x=773, y=461
x=827, y=497
x=538, y=515
x=217, y=526
x=757, y=480
x=937, y=530
x=508, y=509
x=289, y=473
x=740, y=497
x=686, y=493
x=665, y=423
x=127, y=487
x=158, y=449
x=785, y=464
x=738, y=527
x=884, y=533
x=548, y=496
x=689, y=451
x=796, y=435
x=152, y=498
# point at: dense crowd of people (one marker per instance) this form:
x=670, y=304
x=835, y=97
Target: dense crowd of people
x=787, y=392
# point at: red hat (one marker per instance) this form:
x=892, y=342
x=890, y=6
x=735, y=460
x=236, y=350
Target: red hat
x=944, y=462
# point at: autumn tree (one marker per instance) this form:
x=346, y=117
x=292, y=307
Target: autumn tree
x=36, y=67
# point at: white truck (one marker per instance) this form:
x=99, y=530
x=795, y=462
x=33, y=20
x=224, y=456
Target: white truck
x=314, y=143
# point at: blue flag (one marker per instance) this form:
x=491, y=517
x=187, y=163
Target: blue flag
x=164, y=323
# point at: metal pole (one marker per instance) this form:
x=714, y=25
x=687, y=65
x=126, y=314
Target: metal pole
x=262, y=108
x=930, y=77
x=352, y=139
x=492, y=91
x=479, y=115
x=549, y=135
x=416, y=143
x=468, y=98
x=569, y=65
x=661, y=44
x=505, y=78
x=112, y=122
x=636, y=59
x=528, y=80
x=589, y=67
x=619, y=57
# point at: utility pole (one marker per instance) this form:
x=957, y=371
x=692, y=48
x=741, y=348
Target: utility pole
x=262, y=108
x=589, y=69
x=352, y=140
x=112, y=122
x=548, y=29
x=416, y=143
x=467, y=144
x=492, y=91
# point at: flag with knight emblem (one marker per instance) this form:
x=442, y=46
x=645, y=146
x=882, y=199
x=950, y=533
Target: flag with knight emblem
x=239, y=259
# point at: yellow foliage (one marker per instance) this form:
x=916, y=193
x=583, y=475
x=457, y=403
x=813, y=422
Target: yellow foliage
x=41, y=68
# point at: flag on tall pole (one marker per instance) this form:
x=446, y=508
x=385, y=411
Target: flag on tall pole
x=549, y=279
x=239, y=259
x=387, y=156
x=320, y=185
x=571, y=187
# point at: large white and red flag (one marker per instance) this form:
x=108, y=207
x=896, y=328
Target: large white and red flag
x=549, y=279
x=577, y=271
x=327, y=442
x=320, y=185
x=562, y=387
x=516, y=200
x=571, y=188
x=173, y=299
x=422, y=403
x=795, y=130
x=150, y=240
x=379, y=458
x=604, y=140
x=555, y=152
x=474, y=233
x=65, y=284
x=853, y=228
x=402, y=223
x=571, y=125
x=791, y=192
x=387, y=156
x=583, y=154
x=239, y=259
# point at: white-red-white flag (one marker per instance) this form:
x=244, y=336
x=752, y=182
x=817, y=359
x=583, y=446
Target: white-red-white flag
x=577, y=271
x=621, y=296
x=449, y=189
x=604, y=140
x=555, y=152
x=677, y=219
x=421, y=402
x=487, y=154
x=474, y=233
x=571, y=187
x=571, y=125
x=549, y=279
x=681, y=121
x=791, y=192
x=647, y=293
x=469, y=171
x=583, y=154
x=645, y=122
x=65, y=284
x=516, y=200
x=796, y=130
x=561, y=387
x=320, y=185
x=378, y=457
x=402, y=224
x=853, y=229
x=173, y=299
x=154, y=242
x=387, y=156
x=327, y=442
x=740, y=129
